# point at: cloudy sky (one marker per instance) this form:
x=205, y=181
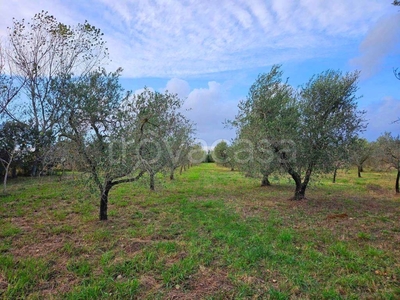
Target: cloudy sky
x=210, y=52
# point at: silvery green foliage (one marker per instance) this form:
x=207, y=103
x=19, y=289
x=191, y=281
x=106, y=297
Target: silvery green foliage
x=179, y=142
x=297, y=131
x=359, y=151
x=120, y=136
x=220, y=153
x=387, y=153
x=92, y=118
x=328, y=121
x=265, y=121
x=161, y=133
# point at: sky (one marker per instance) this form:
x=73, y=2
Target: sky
x=210, y=52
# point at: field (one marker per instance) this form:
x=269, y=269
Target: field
x=210, y=234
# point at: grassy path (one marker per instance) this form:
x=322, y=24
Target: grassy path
x=210, y=234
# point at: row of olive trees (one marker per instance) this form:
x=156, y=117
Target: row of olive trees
x=380, y=155
x=385, y=155
x=120, y=136
x=299, y=132
x=59, y=105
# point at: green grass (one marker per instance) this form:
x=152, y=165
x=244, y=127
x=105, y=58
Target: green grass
x=209, y=234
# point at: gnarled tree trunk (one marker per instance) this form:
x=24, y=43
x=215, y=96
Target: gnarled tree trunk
x=300, y=192
x=265, y=181
x=397, y=182
x=359, y=170
x=152, y=182
x=172, y=173
x=334, y=175
x=104, y=201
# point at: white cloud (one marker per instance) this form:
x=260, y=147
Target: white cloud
x=381, y=117
x=174, y=38
x=204, y=37
x=27, y=9
x=178, y=86
x=381, y=40
x=207, y=107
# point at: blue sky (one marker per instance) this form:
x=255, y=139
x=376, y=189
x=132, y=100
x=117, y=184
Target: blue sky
x=210, y=52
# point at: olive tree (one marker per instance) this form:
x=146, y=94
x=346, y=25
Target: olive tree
x=161, y=131
x=388, y=154
x=94, y=120
x=224, y=154
x=231, y=163
x=196, y=154
x=300, y=129
x=328, y=117
x=360, y=150
x=178, y=144
x=119, y=136
x=266, y=122
x=338, y=159
x=220, y=153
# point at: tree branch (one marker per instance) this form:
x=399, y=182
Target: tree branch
x=128, y=179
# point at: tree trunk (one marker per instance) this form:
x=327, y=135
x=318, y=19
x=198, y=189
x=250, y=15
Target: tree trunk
x=300, y=192
x=334, y=175
x=152, y=182
x=104, y=201
x=172, y=173
x=397, y=182
x=359, y=170
x=5, y=181
x=265, y=181
x=6, y=166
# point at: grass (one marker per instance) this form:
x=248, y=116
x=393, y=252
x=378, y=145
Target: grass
x=210, y=234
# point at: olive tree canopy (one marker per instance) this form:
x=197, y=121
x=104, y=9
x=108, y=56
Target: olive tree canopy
x=298, y=130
